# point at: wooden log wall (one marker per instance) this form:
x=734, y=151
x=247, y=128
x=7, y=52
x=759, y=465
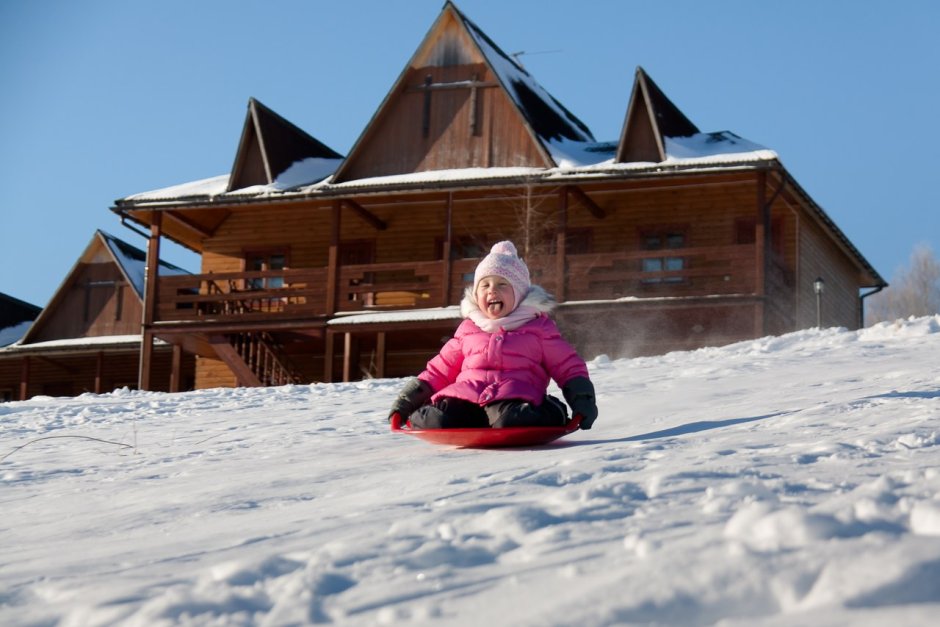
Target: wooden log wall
x=74, y=374
x=448, y=128
x=839, y=304
x=97, y=302
x=708, y=212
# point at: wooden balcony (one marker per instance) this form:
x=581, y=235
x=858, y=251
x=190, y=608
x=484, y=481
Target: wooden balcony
x=303, y=293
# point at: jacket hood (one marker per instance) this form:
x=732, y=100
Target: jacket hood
x=536, y=298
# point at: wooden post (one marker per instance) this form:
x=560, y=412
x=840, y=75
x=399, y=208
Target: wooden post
x=332, y=275
x=328, y=357
x=99, y=367
x=448, y=242
x=560, y=244
x=761, y=237
x=150, y=300
x=176, y=368
x=380, y=355
x=24, y=379
x=347, y=357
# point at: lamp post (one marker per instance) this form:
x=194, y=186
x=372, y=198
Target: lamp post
x=819, y=286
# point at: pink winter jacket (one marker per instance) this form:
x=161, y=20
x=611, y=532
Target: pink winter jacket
x=486, y=367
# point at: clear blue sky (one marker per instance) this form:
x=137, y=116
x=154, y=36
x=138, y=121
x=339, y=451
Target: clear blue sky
x=106, y=98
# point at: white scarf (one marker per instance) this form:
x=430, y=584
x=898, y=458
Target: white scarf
x=515, y=319
x=536, y=302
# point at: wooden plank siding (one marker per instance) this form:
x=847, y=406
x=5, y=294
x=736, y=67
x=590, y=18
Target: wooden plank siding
x=839, y=304
x=708, y=214
x=98, y=301
x=73, y=373
x=445, y=111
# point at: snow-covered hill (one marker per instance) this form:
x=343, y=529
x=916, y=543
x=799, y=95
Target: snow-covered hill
x=782, y=481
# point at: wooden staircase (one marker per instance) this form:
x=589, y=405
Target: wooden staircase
x=255, y=358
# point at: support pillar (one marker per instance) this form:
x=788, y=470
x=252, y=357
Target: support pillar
x=448, y=244
x=328, y=356
x=150, y=300
x=99, y=370
x=380, y=349
x=24, y=379
x=761, y=239
x=560, y=244
x=332, y=278
x=176, y=368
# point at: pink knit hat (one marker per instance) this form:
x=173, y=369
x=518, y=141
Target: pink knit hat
x=504, y=261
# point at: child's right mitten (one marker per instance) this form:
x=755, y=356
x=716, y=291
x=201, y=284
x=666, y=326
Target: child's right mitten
x=415, y=394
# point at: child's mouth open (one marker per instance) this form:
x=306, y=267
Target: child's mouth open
x=494, y=307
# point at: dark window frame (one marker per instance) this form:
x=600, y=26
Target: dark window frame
x=657, y=238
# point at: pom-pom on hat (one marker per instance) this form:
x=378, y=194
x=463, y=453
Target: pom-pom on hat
x=504, y=261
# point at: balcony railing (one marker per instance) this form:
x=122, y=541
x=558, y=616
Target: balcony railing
x=302, y=293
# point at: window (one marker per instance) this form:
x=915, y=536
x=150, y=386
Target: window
x=664, y=241
x=264, y=261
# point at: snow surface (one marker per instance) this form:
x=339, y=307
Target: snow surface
x=782, y=481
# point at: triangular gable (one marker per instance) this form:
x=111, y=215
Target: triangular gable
x=651, y=117
x=269, y=145
x=102, y=249
x=460, y=102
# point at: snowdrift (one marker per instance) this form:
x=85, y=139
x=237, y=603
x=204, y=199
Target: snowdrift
x=786, y=480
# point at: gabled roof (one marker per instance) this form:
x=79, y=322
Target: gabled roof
x=131, y=262
x=270, y=146
x=16, y=310
x=547, y=117
x=651, y=118
x=453, y=41
x=15, y=318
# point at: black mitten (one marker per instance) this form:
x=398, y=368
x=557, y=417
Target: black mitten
x=579, y=392
x=415, y=394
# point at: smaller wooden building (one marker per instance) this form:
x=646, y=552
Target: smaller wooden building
x=87, y=339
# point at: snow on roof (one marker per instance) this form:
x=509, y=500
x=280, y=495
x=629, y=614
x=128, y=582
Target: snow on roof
x=550, y=120
x=306, y=172
x=210, y=187
x=573, y=157
x=11, y=334
x=78, y=343
x=718, y=147
x=436, y=176
x=413, y=315
x=301, y=173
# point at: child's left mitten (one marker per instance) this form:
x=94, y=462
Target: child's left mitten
x=579, y=392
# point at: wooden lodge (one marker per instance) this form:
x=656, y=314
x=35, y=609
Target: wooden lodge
x=319, y=267
x=87, y=338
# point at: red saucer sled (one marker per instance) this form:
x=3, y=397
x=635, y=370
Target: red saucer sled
x=488, y=438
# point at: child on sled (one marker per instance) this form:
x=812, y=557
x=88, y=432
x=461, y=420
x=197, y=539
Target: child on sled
x=495, y=371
